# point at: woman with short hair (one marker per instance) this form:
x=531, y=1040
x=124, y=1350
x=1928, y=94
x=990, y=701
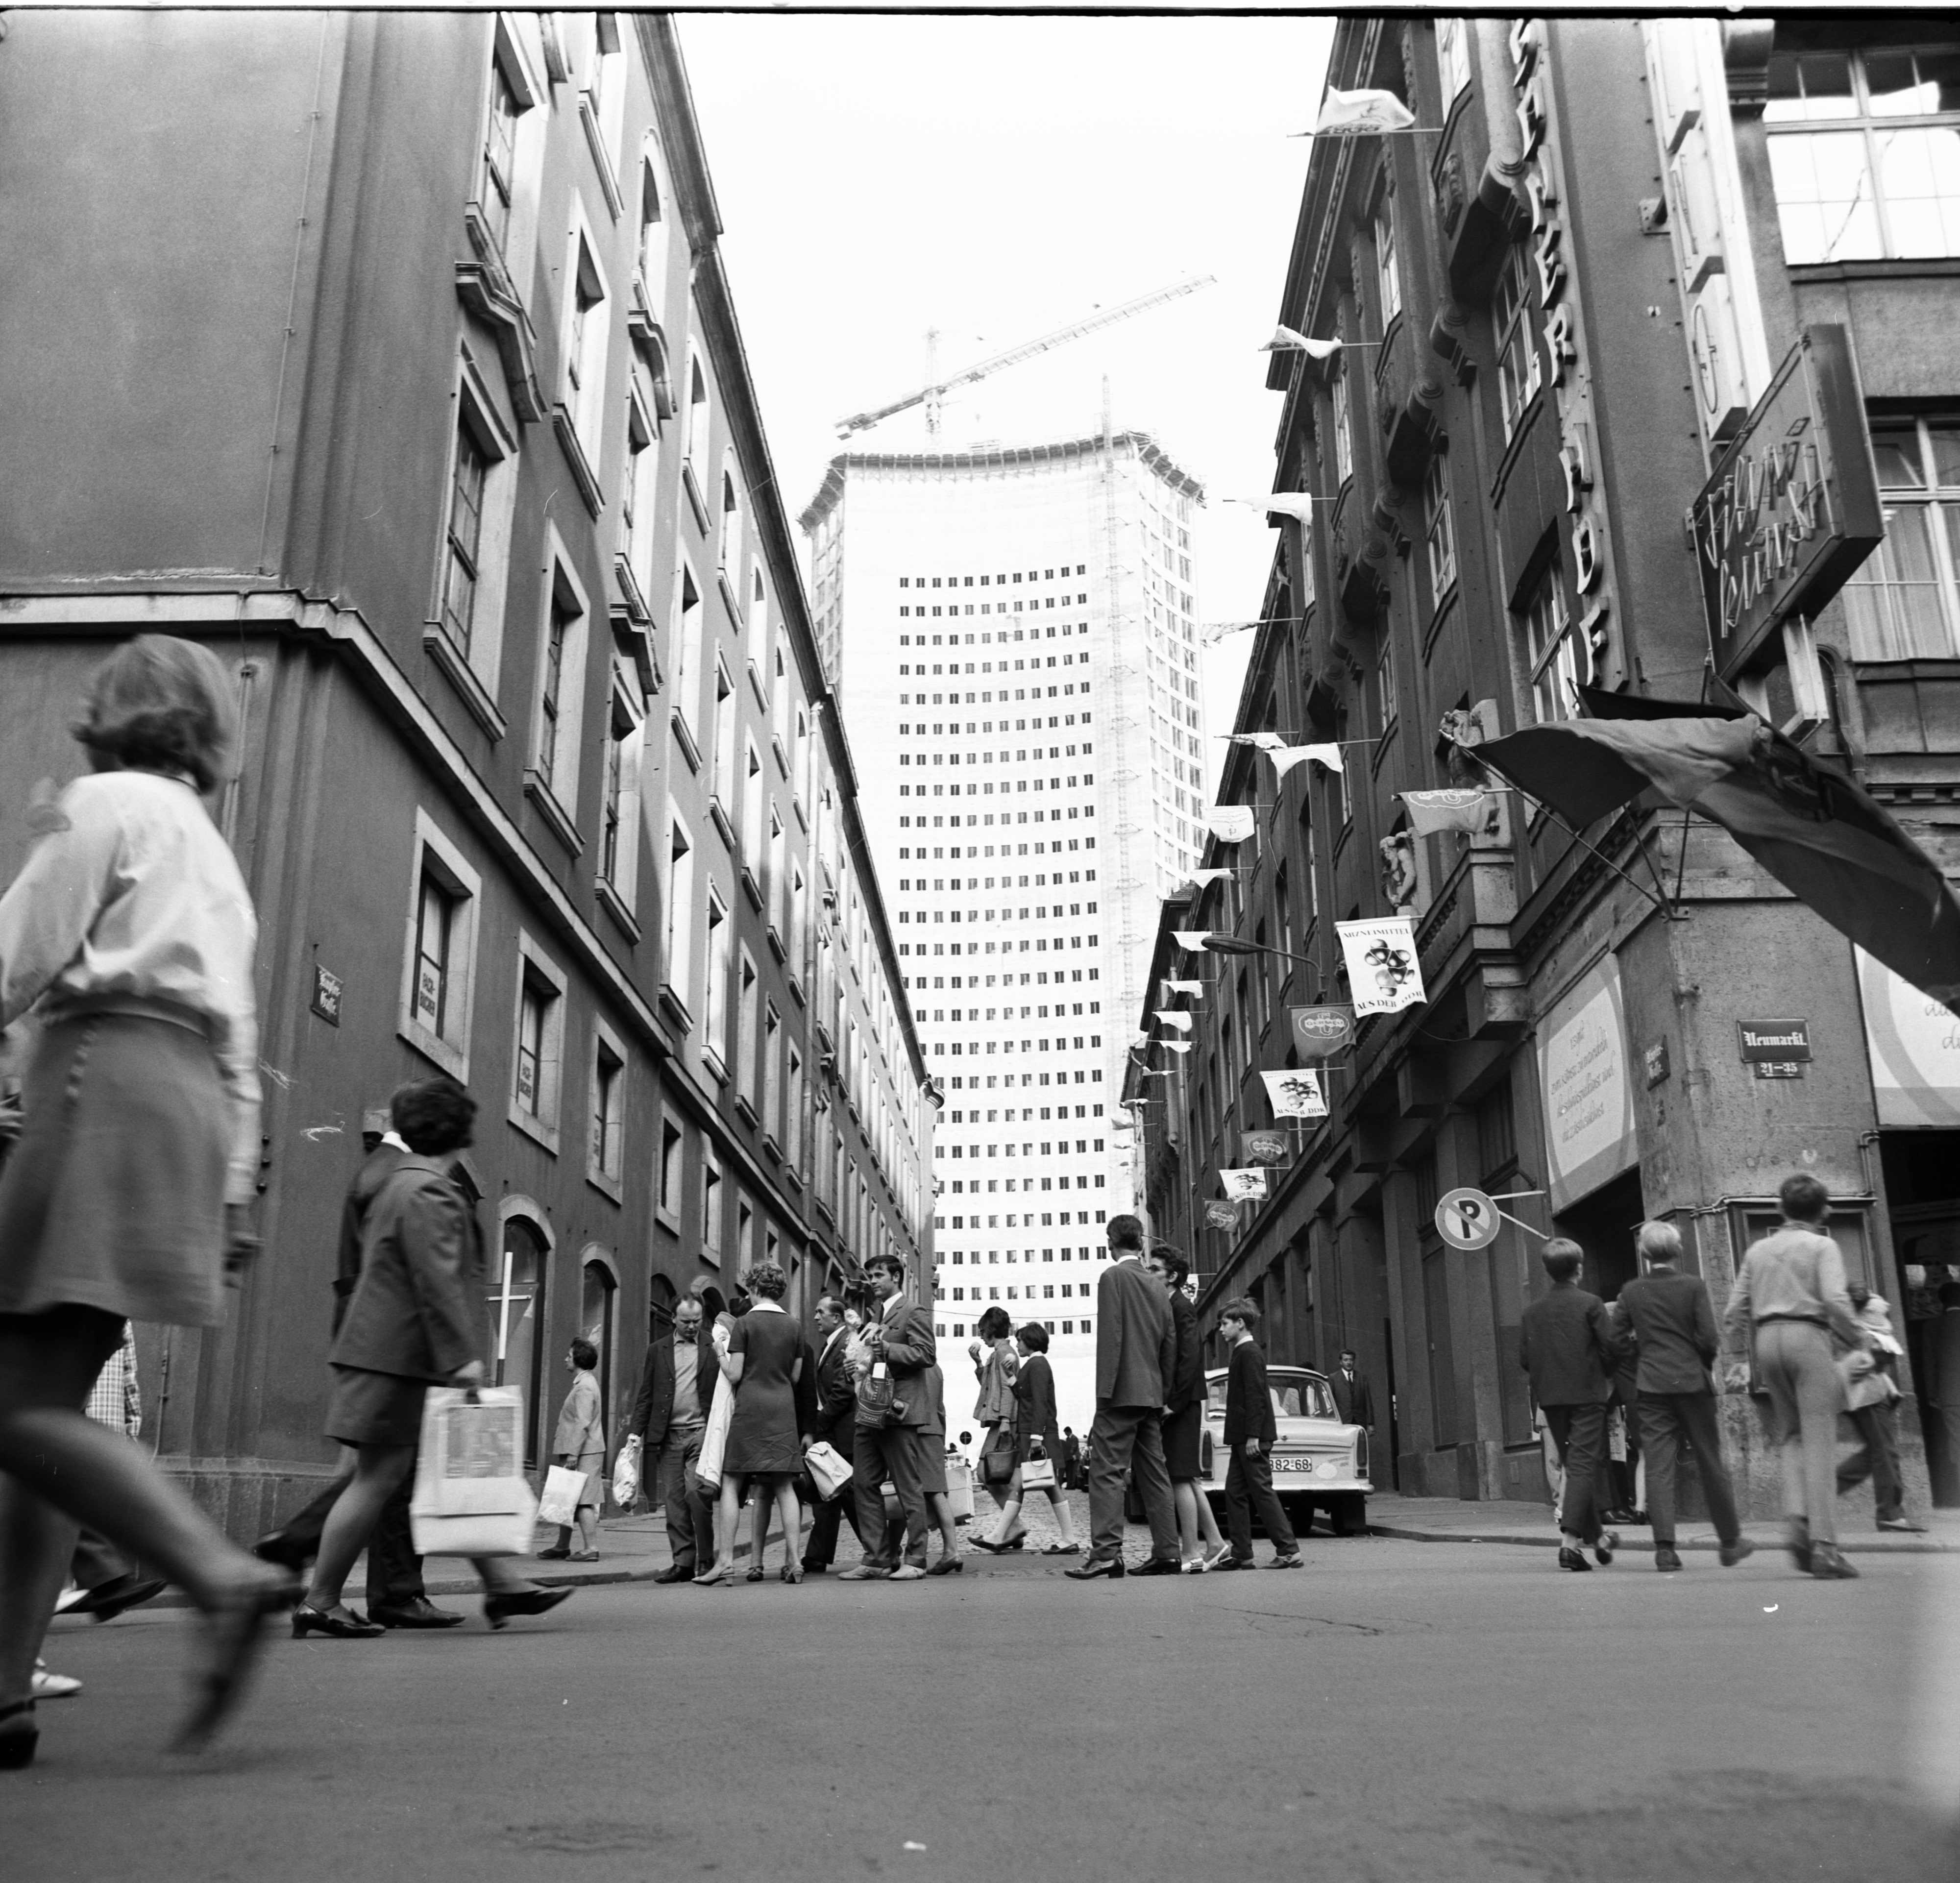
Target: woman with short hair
x=130, y=935
x=997, y=1364
x=1036, y=1422
x=1201, y=1547
x=762, y=1363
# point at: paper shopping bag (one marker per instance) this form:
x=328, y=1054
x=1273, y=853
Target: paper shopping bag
x=829, y=1469
x=563, y=1488
x=626, y=1474
x=470, y=1496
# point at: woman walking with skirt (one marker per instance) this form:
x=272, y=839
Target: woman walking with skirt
x=129, y=934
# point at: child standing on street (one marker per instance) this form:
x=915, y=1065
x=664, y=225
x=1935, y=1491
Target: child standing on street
x=580, y=1445
x=1250, y=1430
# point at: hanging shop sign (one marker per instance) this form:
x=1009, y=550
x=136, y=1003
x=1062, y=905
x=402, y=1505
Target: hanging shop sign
x=1243, y=1186
x=1383, y=973
x=1792, y=507
x=1222, y=1216
x=1265, y=1147
x=1296, y=1094
x=1584, y=1077
x=1320, y=1030
x=1915, y=1045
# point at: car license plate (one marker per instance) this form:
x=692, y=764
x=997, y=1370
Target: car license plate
x=1284, y=1463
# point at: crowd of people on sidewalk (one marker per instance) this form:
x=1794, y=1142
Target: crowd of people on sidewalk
x=127, y=941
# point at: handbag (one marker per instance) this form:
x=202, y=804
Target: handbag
x=829, y=1470
x=878, y=1402
x=997, y=1460
x=564, y=1487
x=626, y=1474
x=470, y=1496
x=1038, y=1474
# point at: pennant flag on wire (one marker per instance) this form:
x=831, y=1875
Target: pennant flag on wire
x=1172, y=988
x=1265, y=741
x=1214, y=631
x=1286, y=340
x=1170, y=1016
x=1357, y=114
x=1191, y=940
x=1220, y=874
x=1175, y=1045
x=1383, y=970
x=1298, y=504
x=1286, y=757
x=1296, y=1094
x=1243, y=1185
x=1230, y=823
x=1823, y=838
x=1222, y=1216
x=1454, y=808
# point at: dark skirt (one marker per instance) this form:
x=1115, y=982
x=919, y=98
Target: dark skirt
x=929, y=1461
x=367, y=1408
x=1183, y=1434
x=114, y=1196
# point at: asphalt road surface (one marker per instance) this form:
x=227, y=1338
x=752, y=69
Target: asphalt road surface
x=1396, y=1711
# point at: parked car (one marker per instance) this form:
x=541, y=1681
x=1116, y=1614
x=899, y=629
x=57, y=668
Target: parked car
x=1318, y=1463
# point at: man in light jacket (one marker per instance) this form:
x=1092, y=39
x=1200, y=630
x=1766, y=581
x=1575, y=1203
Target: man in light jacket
x=1136, y=1358
x=901, y=1337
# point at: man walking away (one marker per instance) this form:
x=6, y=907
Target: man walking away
x=1790, y=1294
x=1136, y=1356
x=1568, y=1345
x=1674, y=1323
x=670, y=1417
x=1871, y=1404
x=834, y=1423
x=1250, y=1431
x=901, y=1338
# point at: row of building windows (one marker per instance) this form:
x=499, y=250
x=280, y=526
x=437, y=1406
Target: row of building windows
x=957, y=581
x=1016, y=608
x=1020, y=666
x=1026, y=1220
x=1047, y=1294
x=1084, y=1252
x=1067, y=1327
x=975, y=1082
x=1048, y=1147
x=1026, y=1113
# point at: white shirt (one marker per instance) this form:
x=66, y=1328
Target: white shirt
x=131, y=894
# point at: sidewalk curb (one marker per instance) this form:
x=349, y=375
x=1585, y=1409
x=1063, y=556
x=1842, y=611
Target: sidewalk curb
x=1405, y=1533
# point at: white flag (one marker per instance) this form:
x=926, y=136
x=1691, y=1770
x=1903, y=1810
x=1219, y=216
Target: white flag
x=1296, y=504
x=1175, y=1045
x=1230, y=823
x=1295, y=1095
x=1214, y=631
x=1383, y=973
x=1191, y=940
x=1170, y=1016
x=1172, y=988
x=1454, y=808
x=1356, y=113
x=1287, y=757
x=1286, y=340
x=1221, y=874
x=1265, y=741
x=1243, y=1185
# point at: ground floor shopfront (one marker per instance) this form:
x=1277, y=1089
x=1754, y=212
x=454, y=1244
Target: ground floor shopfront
x=1611, y=1068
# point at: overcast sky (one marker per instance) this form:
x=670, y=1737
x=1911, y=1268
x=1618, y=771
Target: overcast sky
x=996, y=178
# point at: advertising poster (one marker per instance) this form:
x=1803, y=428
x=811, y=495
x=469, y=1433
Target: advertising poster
x=1914, y=1044
x=1588, y=1095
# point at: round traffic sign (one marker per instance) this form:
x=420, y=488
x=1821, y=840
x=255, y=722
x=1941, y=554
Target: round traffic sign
x=1466, y=1219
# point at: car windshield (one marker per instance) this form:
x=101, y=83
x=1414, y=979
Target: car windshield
x=1295, y=1394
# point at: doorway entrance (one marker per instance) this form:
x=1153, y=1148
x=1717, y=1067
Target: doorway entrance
x=1923, y=1197
x=1604, y=1224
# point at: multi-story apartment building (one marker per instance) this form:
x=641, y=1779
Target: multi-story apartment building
x=1012, y=635
x=1613, y=272
x=405, y=374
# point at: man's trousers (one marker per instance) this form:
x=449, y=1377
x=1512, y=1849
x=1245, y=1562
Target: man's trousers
x=1580, y=1432
x=1122, y=1438
x=1666, y=1419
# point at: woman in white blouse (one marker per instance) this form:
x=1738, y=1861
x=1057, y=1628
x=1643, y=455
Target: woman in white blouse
x=126, y=942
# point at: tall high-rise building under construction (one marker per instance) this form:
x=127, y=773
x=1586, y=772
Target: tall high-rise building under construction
x=1013, y=633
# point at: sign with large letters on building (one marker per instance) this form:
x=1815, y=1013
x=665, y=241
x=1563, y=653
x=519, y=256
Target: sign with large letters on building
x=1914, y=1044
x=1792, y=506
x=1586, y=1078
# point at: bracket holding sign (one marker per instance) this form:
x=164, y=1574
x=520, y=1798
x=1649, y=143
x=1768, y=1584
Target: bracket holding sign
x=1468, y=1220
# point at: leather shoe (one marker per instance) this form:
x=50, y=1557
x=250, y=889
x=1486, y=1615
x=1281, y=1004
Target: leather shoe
x=1158, y=1566
x=1570, y=1559
x=497, y=1610
x=1665, y=1558
x=419, y=1613
x=1828, y=1563
x=108, y=1600
x=1087, y=1572
x=676, y=1572
x=350, y=1627
x=1902, y=1524
x=906, y=1573
x=1603, y=1548
x=1732, y=1553
x=289, y=1552
x=865, y=1572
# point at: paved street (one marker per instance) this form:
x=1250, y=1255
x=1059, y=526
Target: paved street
x=1399, y=1710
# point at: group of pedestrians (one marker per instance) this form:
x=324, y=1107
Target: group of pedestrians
x=1812, y=1350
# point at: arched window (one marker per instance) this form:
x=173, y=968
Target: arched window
x=663, y=1296
x=516, y=1304
x=599, y=1292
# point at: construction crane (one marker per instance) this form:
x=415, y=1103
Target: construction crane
x=930, y=397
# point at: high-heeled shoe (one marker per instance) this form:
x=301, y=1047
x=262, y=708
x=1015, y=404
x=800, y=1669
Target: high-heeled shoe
x=348, y=1627
x=234, y=1635
x=755, y=1574
x=19, y=1735
x=714, y=1574
x=947, y=1565
x=791, y=1572
x=497, y=1609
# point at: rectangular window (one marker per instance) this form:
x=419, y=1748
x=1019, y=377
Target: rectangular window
x=1884, y=181
x=1903, y=602
x=747, y=1007
x=772, y=1071
x=619, y=811
x=499, y=145
x=673, y=1141
x=1518, y=362
x=1437, y=526
x=538, y=1048
x=653, y=247
x=440, y=949
x=753, y=792
x=1453, y=57
x=1556, y=652
x=724, y=773
x=551, y=693
x=718, y=965
x=793, y=1110
x=1387, y=279
x=465, y=537
x=680, y=915
x=604, y=1151
x=694, y=439
x=1344, y=437
x=636, y=490
x=710, y=1212
x=1385, y=684
x=686, y=642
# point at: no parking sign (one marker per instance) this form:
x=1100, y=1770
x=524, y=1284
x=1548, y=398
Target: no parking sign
x=1466, y=1219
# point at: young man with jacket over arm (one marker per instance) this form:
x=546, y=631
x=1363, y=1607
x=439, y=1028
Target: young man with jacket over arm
x=900, y=1336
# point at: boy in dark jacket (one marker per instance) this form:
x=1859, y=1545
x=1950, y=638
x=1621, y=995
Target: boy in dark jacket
x=1249, y=1432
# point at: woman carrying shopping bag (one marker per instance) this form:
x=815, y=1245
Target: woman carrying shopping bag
x=578, y=1445
x=1037, y=1449
x=412, y=1323
x=997, y=1364
x=129, y=935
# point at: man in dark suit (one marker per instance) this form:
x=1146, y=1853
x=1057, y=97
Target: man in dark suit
x=833, y=1423
x=1352, y=1398
x=1071, y=1459
x=1136, y=1357
x=1673, y=1322
x=670, y=1416
x=397, y=1597
x=900, y=1337
x=1567, y=1345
